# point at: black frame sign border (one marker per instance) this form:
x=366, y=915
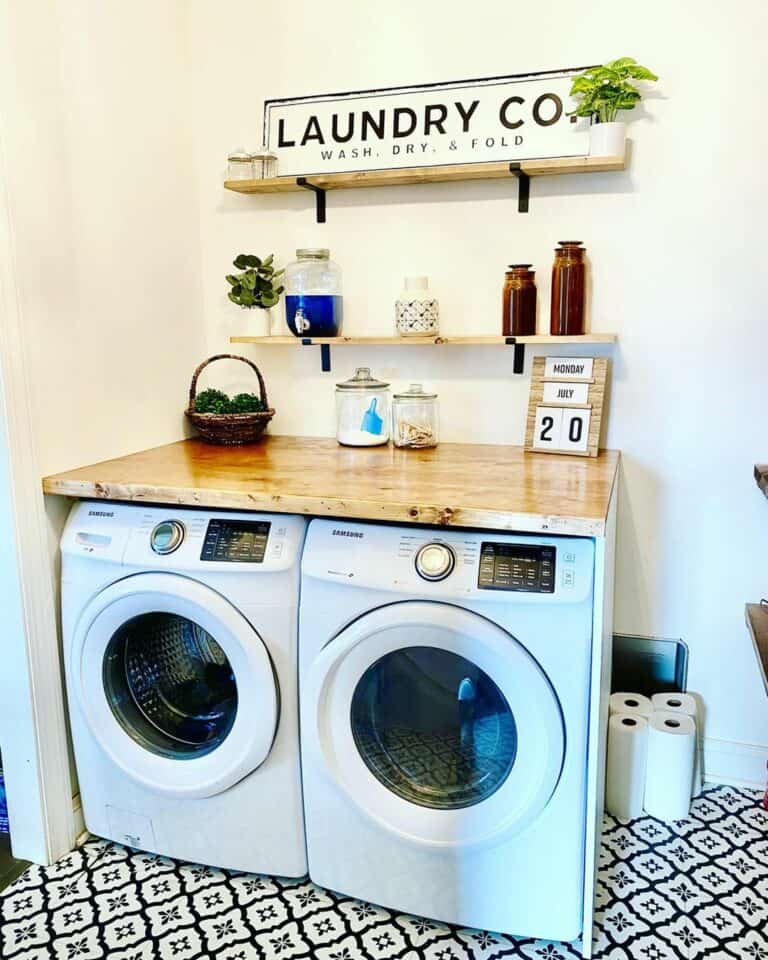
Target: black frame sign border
x=352, y=95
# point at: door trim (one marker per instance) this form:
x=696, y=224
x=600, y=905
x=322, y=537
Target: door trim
x=36, y=755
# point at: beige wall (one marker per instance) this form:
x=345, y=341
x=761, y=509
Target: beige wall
x=94, y=125
x=675, y=245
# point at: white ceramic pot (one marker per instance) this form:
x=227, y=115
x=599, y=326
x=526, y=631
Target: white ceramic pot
x=607, y=139
x=259, y=322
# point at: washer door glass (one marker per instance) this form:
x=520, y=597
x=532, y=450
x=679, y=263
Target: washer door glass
x=433, y=728
x=170, y=685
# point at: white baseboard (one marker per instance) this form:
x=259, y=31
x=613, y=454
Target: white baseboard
x=736, y=764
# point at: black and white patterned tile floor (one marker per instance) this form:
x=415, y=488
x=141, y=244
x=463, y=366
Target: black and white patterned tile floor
x=694, y=889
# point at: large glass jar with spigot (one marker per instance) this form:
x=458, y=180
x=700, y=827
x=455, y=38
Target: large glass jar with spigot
x=313, y=304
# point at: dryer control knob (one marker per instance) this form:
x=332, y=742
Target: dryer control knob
x=167, y=537
x=434, y=561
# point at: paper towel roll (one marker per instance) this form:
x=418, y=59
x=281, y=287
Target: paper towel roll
x=625, y=766
x=669, y=769
x=634, y=703
x=684, y=703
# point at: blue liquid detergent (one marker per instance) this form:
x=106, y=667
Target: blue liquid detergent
x=319, y=315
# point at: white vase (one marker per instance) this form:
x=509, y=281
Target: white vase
x=260, y=322
x=417, y=312
x=607, y=139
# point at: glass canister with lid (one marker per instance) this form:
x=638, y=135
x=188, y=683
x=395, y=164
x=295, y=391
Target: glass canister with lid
x=415, y=418
x=313, y=304
x=362, y=410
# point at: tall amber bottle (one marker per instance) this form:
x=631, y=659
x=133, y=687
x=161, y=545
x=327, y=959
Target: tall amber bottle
x=519, y=301
x=567, y=312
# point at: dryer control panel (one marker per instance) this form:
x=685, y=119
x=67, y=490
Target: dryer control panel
x=517, y=566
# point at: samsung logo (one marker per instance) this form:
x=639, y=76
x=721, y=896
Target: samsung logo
x=100, y=513
x=348, y=533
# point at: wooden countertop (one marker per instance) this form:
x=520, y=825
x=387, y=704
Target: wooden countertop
x=472, y=485
x=757, y=621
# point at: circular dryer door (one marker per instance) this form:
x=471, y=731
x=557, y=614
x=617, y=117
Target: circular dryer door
x=437, y=723
x=175, y=684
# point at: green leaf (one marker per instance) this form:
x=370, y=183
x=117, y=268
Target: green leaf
x=233, y=297
x=249, y=280
x=270, y=298
x=621, y=63
x=241, y=261
x=232, y=280
x=268, y=261
x=252, y=261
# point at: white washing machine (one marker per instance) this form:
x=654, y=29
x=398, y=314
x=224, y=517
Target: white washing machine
x=445, y=687
x=180, y=645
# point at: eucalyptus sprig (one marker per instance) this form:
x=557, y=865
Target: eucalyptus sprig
x=606, y=90
x=258, y=284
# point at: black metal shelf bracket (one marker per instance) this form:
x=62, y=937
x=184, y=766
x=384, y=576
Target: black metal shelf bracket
x=325, y=352
x=518, y=360
x=523, y=187
x=319, y=193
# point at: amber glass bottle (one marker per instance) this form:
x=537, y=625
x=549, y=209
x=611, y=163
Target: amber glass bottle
x=519, y=301
x=567, y=314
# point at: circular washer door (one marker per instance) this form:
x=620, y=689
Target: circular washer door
x=175, y=684
x=437, y=723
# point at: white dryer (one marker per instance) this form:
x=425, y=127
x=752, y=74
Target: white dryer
x=180, y=645
x=445, y=686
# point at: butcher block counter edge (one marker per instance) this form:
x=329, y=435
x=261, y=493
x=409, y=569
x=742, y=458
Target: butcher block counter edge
x=484, y=486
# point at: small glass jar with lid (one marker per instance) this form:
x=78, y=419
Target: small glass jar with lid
x=415, y=418
x=264, y=163
x=362, y=410
x=240, y=165
x=313, y=304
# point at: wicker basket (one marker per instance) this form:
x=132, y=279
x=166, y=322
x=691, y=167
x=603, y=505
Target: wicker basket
x=229, y=429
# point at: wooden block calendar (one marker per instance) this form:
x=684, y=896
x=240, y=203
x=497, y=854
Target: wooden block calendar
x=565, y=409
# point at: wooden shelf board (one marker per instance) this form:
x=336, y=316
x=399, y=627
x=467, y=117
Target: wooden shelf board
x=757, y=621
x=761, y=477
x=588, y=338
x=447, y=174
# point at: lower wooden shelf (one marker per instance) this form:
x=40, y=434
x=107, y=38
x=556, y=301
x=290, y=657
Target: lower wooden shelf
x=518, y=343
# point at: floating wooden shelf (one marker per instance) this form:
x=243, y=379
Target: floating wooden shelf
x=519, y=343
x=411, y=175
x=523, y=171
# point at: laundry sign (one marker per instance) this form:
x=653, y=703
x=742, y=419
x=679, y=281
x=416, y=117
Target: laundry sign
x=512, y=118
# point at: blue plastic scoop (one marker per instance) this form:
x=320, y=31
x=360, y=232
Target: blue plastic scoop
x=372, y=422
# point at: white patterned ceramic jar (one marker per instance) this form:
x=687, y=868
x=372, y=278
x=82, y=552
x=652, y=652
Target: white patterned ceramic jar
x=417, y=312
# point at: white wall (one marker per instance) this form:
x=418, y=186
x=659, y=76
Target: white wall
x=106, y=227
x=94, y=124
x=676, y=250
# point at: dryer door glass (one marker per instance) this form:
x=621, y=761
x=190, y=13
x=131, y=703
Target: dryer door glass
x=170, y=685
x=433, y=728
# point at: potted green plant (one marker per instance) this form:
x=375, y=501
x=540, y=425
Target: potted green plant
x=257, y=286
x=604, y=91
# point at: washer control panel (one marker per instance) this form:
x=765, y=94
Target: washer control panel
x=235, y=541
x=435, y=561
x=518, y=567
